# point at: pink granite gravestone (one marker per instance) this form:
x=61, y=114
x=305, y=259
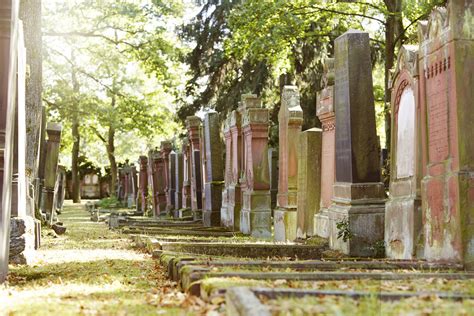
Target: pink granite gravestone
x=446, y=67
x=290, y=120
x=403, y=209
x=143, y=185
x=226, y=218
x=357, y=213
x=325, y=113
x=193, y=124
x=256, y=211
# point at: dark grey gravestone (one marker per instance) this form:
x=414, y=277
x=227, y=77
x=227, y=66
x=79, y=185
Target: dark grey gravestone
x=357, y=156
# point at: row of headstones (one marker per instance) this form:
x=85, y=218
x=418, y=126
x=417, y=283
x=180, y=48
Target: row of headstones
x=22, y=196
x=329, y=181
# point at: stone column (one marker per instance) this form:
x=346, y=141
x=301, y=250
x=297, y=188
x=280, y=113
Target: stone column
x=214, y=170
x=235, y=186
x=290, y=120
x=187, y=170
x=179, y=173
x=402, y=211
x=226, y=218
x=143, y=185
x=309, y=181
x=256, y=211
x=359, y=196
x=166, y=148
x=325, y=113
x=172, y=181
x=193, y=124
x=51, y=166
x=446, y=66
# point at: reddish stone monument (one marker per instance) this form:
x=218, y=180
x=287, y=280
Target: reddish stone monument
x=166, y=148
x=226, y=218
x=143, y=185
x=178, y=199
x=157, y=182
x=290, y=120
x=172, y=181
x=256, y=206
x=403, y=209
x=193, y=124
x=357, y=213
x=187, y=170
x=446, y=67
x=325, y=113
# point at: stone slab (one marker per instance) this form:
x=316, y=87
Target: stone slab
x=241, y=301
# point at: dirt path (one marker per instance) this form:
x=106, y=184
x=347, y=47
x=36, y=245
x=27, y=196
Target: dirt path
x=92, y=271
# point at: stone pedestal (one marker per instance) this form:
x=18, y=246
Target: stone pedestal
x=358, y=203
x=325, y=113
x=256, y=212
x=214, y=170
x=403, y=209
x=193, y=124
x=143, y=185
x=290, y=120
x=309, y=181
x=446, y=96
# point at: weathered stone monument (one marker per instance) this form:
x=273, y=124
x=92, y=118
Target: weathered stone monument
x=214, y=170
x=187, y=170
x=325, y=113
x=446, y=84
x=157, y=182
x=166, y=148
x=357, y=212
x=290, y=120
x=142, y=185
x=256, y=207
x=309, y=181
x=273, y=161
x=178, y=183
x=51, y=166
x=172, y=181
x=226, y=218
x=193, y=124
x=132, y=185
x=403, y=209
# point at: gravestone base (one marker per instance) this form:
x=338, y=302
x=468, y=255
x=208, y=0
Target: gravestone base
x=22, y=240
x=285, y=219
x=234, y=205
x=362, y=207
x=197, y=215
x=321, y=223
x=256, y=214
x=183, y=212
x=131, y=201
x=226, y=219
x=403, y=227
x=212, y=212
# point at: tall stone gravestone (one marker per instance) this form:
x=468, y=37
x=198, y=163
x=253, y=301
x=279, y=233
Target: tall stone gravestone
x=193, y=124
x=142, y=185
x=214, y=170
x=234, y=204
x=290, y=120
x=309, y=181
x=403, y=209
x=325, y=113
x=172, y=181
x=446, y=66
x=226, y=219
x=187, y=170
x=256, y=211
x=8, y=60
x=273, y=161
x=178, y=184
x=53, y=130
x=358, y=205
x=157, y=182
x=166, y=148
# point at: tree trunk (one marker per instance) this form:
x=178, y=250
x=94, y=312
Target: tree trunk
x=76, y=179
x=113, y=162
x=30, y=14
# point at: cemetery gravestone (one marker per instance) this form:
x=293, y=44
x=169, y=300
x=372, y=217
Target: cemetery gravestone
x=179, y=163
x=325, y=113
x=172, y=181
x=226, y=219
x=357, y=212
x=166, y=148
x=403, y=209
x=235, y=186
x=309, y=181
x=446, y=66
x=214, y=175
x=273, y=161
x=187, y=170
x=290, y=119
x=256, y=211
x=193, y=124
x=143, y=185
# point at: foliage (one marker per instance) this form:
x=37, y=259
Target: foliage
x=109, y=202
x=343, y=230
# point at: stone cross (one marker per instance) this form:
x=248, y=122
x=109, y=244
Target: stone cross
x=256, y=211
x=143, y=185
x=446, y=84
x=214, y=170
x=358, y=205
x=290, y=120
x=325, y=113
x=193, y=124
x=309, y=181
x=51, y=166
